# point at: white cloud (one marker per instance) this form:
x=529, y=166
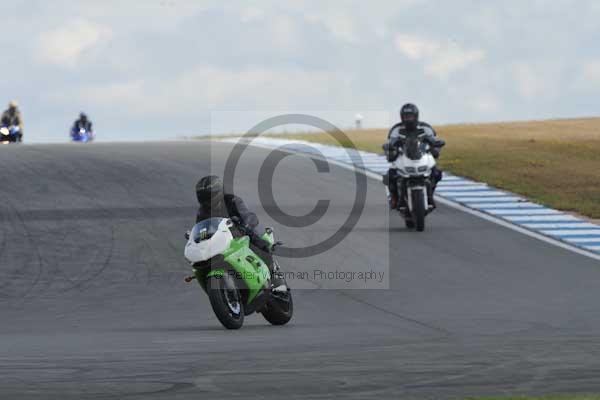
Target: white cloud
x=284, y=32
x=254, y=87
x=251, y=14
x=353, y=21
x=441, y=58
x=485, y=22
x=533, y=81
x=131, y=95
x=485, y=103
x=206, y=87
x=590, y=74
x=416, y=48
x=453, y=58
x=341, y=26
x=66, y=45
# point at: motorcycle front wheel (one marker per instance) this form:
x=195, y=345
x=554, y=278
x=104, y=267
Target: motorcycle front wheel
x=418, y=209
x=226, y=301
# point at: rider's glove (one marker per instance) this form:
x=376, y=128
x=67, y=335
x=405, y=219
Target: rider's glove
x=392, y=154
x=258, y=241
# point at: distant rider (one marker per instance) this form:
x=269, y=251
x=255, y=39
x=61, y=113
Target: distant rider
x=82, y=122
x=214, y=202
x=12, y=117
x=409, y=125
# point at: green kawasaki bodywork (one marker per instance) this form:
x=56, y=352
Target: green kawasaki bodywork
x=246, y=264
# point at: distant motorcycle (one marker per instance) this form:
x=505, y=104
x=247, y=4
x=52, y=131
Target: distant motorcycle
x=82, y=135
x=10, y=134
x=413, y=165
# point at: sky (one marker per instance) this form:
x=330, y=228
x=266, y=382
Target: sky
x=166, y=68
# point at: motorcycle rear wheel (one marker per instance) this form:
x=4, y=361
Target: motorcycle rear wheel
x=279, y=312
x=280, y=307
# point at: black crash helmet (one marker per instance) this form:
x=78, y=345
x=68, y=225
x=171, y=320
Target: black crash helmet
x=209, y=190
x=409, y=114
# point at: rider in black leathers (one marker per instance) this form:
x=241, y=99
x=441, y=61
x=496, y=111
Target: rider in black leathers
x=83, y=122
x=410, y=124
x=214, y=202
x=12, y=117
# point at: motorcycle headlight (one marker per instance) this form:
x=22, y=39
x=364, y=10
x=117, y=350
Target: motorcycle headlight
x=411, y=170
x=422, y=168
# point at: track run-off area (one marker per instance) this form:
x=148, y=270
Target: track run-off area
x=93, y=304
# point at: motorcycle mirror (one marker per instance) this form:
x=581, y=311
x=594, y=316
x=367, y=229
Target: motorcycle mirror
x=187, y=235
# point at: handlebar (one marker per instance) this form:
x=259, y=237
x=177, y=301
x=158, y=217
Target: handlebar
x=238, y=223
x=430, y=140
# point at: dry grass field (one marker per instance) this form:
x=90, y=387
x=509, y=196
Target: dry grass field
x=554, y=162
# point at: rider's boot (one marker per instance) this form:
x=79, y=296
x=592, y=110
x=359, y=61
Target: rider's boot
x=278, y=284
x=393, y=200
x=402, y=204
x=437, y=176
x=431, y=201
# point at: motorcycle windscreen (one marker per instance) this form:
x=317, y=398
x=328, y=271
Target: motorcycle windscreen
x=204, y=230
x=414, y=148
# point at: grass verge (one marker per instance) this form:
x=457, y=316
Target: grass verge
x=556, y=163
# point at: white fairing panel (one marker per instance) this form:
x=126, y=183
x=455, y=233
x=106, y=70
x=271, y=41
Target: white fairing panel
x=408, y=167
x=206, y=249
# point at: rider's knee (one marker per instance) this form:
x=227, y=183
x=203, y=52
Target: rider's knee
x=438, y=174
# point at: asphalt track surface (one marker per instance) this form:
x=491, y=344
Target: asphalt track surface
x=93, y=303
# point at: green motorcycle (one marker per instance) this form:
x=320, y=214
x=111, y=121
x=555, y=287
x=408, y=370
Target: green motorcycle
x=236, y=280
